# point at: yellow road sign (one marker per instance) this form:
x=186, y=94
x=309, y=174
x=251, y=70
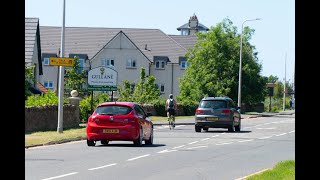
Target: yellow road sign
x=55, y=61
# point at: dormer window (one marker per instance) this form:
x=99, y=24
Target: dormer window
x=184, y=64
x=160, y=64
x=46, y=61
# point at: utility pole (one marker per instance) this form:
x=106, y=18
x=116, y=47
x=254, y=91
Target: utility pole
x=284, y=86
x=61, y=77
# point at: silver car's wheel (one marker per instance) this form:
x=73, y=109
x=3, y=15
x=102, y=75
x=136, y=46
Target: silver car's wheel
x=238, y=128
x=197, y=128
x=231, y=128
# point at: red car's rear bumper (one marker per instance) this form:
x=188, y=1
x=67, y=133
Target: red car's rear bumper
x=126, y=132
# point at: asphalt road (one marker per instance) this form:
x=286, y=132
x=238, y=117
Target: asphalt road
x=177, y=154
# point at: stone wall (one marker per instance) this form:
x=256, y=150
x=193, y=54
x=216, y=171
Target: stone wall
x=45, y=118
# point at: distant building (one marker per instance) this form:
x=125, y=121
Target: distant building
x=192, y=27
x=125, y=50
x=33, y=51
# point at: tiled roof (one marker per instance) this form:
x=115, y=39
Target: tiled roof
x=89, y=40
x=42, y=88
x=186, y=41
x=30, y=37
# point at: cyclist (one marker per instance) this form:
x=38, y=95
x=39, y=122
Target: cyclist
x=171, y=106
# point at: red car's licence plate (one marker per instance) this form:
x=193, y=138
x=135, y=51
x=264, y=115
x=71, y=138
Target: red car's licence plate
x=111, y=131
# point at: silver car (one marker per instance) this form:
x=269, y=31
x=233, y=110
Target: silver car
x=217, y=112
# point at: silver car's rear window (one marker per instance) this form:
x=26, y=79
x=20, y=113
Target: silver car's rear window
x=113, y=110
x=214, y=104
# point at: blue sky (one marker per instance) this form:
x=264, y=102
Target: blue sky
x=274, y=35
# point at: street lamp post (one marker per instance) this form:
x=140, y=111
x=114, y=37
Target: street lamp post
x=240, y=63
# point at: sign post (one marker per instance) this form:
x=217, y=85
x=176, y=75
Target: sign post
x=102, y=79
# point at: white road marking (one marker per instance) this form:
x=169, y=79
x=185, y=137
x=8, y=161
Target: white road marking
x=180, y=126
x=197, y=147
x=178, y=147
x=166, y=151
x=224, y=143
x=204, y=139
x=103, y=166
x=280, y=134
x=291, y=131
x=215, y=136
x=266, y=123
x=61, y=176
x=265, y=137
x=193, y=142
x=223, y=133
x=267, y=128
x=138, y=157
x=246, y=140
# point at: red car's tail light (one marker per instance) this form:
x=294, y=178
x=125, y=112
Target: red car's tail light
x=199, y=111
x=226, y=111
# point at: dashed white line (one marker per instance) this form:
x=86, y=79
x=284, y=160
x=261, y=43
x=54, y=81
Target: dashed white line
x=56, y=177
x=291, y=131
x=193, y=142
x=102, y=166
x=223, y=133
x=178, y=147
x=180, y=126
x=267, y=128
x=265, y=137
x=204, y=139
x=138, y=157
x=166, y=151
x=224, y=143
x=281, y=134
x=197, y=147
x=215, y=136
x=246, y=140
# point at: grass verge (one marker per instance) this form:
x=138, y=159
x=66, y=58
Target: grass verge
x=284, y=170
x=51, y=136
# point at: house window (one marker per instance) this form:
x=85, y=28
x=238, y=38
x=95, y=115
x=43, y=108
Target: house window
x=131, y=63
x=160, y=64
x=81, y=64
x=107, y=62
x=46, y=61
x=48, y=84
x=161, y=88
x=184, y=64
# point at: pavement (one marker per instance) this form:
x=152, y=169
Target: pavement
x=185, y=121
x=190, y=121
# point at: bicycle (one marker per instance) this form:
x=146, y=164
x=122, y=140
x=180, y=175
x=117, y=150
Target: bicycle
x=172, y=123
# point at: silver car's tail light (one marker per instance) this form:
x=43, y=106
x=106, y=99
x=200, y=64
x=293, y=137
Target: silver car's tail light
x=226, y=111
x=199, y=111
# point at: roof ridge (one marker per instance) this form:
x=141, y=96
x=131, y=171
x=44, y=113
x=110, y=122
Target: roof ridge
x=100, y=27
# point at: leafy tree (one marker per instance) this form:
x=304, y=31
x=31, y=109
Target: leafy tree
x=74, y=79
x=49, y=98
x=214, y=66
x=28, y=80
x=272, y=79
x=145, y=91
x=125, y=93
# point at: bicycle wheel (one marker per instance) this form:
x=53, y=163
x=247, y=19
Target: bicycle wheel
x=173, y=122
x=170, y=122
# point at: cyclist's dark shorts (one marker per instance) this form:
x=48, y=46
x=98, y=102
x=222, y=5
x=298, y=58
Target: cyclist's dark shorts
x=171, y=112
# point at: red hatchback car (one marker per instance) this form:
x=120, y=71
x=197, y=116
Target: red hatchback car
x=119, y=121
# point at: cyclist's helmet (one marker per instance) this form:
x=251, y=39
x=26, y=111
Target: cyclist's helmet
x=171, y=96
